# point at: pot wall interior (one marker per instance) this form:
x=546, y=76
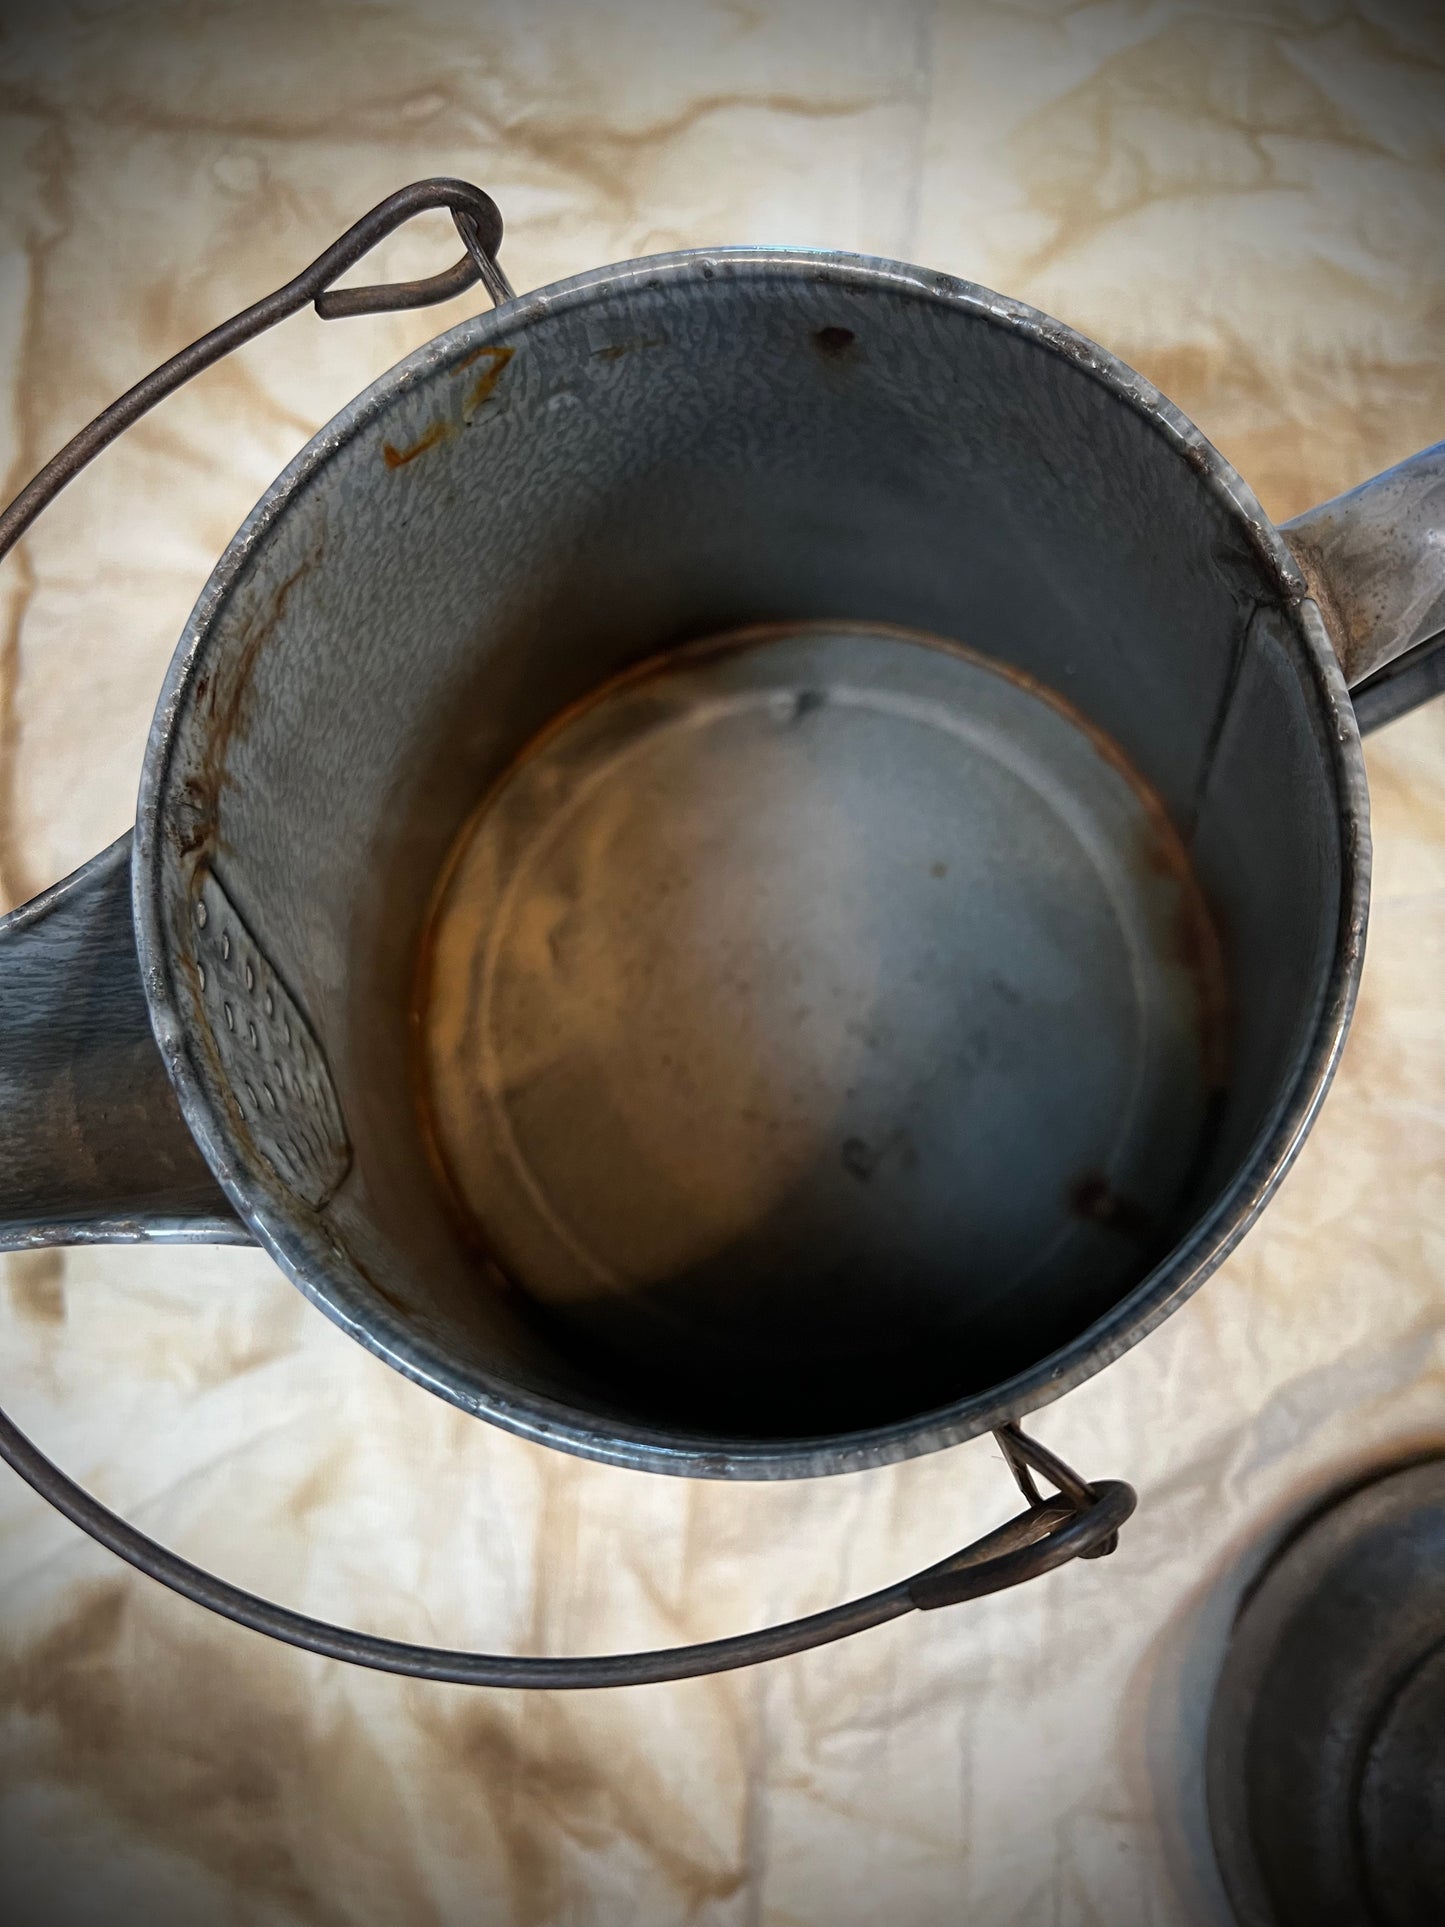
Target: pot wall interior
x=631, y=466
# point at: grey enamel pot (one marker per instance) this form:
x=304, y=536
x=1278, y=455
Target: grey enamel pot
x=752, y=865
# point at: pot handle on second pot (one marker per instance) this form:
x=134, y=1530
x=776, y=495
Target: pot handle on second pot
x=1374, y=559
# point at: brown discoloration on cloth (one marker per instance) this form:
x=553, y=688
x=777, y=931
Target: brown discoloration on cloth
x=543, y=1780
x=272, y=1788
x=37, y=1286
x=114, y=1694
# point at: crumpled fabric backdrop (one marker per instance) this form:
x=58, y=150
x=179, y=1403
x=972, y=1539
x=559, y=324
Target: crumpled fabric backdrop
x=1247, y=202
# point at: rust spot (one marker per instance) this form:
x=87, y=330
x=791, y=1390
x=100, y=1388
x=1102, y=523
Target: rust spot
x=399, y=457
x=198, y=815
x=228, y=707
x=938, y=869
x=1198, y=458
x=225, y=695
x=389, y=1298
x=471, y=360
x=834, y=342
x=482, y=387
x=618, y=349
x=1095, y=1199
x=1343, y=624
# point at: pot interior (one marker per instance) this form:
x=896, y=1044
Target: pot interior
x=804, y=835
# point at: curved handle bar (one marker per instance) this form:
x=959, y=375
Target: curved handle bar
x=1047, y=1535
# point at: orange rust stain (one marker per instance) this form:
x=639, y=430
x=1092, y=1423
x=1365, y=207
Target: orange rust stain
x=224, y=696
x=618, y=349
x=399, y=457
x=200, y=810
x=228, y=706
x=388, y=1298
x=482, y=387
x=470, y=361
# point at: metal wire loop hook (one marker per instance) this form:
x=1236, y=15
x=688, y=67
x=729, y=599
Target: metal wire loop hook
x=477, y=220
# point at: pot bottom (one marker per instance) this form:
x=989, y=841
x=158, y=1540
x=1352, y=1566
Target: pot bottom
x=819, y=1024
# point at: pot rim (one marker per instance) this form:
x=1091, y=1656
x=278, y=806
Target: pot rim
x=305, y=1252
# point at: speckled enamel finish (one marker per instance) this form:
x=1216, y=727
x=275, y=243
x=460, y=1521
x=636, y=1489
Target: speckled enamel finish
x=526, y=457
